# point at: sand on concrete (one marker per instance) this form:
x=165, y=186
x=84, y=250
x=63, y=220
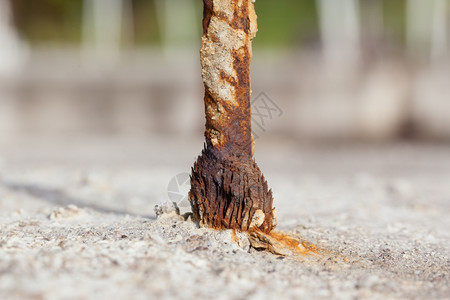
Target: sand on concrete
x=79, y=223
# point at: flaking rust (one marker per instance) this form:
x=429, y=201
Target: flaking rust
x=228, y=190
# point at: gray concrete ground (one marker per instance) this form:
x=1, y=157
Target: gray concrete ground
x=77, y=222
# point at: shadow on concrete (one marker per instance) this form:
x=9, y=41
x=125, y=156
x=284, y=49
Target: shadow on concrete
x=60, y=198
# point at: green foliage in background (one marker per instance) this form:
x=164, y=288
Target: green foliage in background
x=146, y=29
x=48, y=21
x=395, y=19
x=284, y=23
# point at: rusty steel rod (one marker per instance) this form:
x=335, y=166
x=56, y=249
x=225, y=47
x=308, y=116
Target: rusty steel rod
x=228, y=189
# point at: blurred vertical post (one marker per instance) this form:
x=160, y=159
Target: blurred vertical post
x=102, y=30
x=178, y=24
x=340, y=30
x=179, y=27
x=419, y=23
x=13, y=56
x=13, y=52
x=372, y=24
x=439, y=35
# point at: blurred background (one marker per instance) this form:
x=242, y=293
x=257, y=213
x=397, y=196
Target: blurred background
x=361, y=70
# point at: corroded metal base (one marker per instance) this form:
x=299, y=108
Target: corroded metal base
x=230, y=194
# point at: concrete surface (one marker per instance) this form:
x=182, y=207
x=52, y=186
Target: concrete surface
x=77, y=222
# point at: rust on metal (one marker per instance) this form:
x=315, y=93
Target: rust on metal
x=283, y=244
x=228, y=189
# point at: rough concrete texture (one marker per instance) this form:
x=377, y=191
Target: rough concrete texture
x=82, y=226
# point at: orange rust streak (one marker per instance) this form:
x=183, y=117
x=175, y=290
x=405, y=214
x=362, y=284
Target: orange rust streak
x=234, y=237
x=292, y=243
